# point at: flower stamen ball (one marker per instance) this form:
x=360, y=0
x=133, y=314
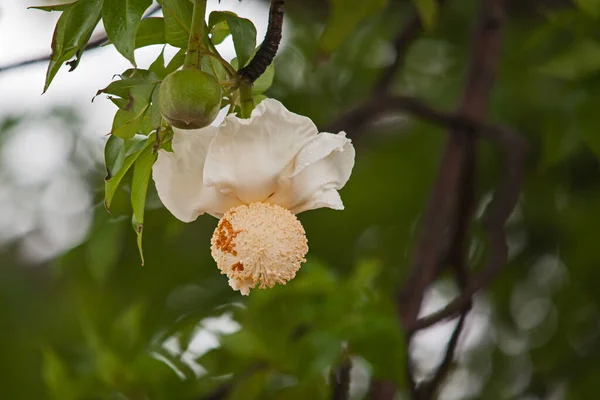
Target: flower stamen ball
x=259, y=243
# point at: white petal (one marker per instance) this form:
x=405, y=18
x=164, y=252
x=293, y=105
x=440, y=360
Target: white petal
x=247, y=156
x=322, y=167
x=179, y=177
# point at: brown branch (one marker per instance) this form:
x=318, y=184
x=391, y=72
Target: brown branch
x=268, y=49
x=497, y=214
x=456, y=170
x=381, y=390
x=340, y=380
x=402, y=43
x=97, y=43
x=406, y=37
x=431, y=387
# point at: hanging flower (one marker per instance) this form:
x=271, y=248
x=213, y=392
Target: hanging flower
x=255, y=174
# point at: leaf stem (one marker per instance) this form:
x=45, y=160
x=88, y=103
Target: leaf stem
x=192, y=56
x=246, y=100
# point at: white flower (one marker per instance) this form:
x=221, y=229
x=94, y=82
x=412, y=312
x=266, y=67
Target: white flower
x=275, y=158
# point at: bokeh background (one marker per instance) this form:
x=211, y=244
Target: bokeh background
x=82, y=319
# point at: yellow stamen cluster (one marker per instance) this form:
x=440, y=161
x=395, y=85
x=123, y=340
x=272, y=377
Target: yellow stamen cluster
x=260, y=244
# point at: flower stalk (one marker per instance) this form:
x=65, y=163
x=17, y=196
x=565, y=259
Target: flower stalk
x=194, y=49
x=246, y=100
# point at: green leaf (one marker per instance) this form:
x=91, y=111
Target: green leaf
x=103, y=246
x=251, y=387
x=427, y=11
x=579, y=61
x=264, y=81
x=242, y=31
x=121, y=20
x=57, y=7
x=590, y=7
x=128, y=123
x=130, y=79
x=154, y=114
x=212, y=66
x=178, y=19
x=139, y=188
x=176, y=62
x=345, y=16
x=136, y=89
x=158, y=66
x=126, y=329
x=151, y=31
x=111, y=184
x=219, y=32
x=56, y=376
x=114, y=154
x=72, y=32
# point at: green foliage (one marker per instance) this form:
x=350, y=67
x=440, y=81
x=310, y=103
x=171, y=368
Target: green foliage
x=72, y=32
x=428, y=11
x=178, y=19
x=591, y=7
x=345, y=16
x=93, y=324
x=139, y=187
x=581, y=59
x=150, y=31
x=121, y=21
x=57, y=7
x=242, y=32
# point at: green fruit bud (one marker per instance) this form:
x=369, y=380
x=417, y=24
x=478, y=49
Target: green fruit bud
x=189, y=99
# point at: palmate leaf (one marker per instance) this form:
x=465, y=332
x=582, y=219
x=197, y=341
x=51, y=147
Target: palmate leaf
x=72, y=32
x=121, y=20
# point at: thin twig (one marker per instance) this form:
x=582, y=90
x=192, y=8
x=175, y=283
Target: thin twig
x=402, y=43
x=100, y=41
x=431, y=387
x=268, y=49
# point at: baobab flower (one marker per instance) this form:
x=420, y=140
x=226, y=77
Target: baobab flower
x=255, y=174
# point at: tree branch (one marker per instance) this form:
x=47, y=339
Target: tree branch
x=92, y=44
x=430, y=388
x=340, y=380
x=406, y=37
x=457, y=167
x=268, y=49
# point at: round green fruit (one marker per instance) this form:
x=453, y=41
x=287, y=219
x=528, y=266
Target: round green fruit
x=189, y=99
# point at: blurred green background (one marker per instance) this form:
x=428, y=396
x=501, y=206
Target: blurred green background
x=82, y=319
